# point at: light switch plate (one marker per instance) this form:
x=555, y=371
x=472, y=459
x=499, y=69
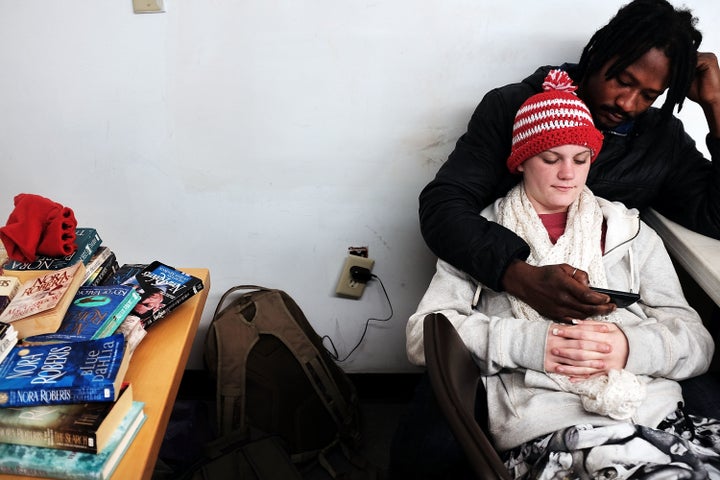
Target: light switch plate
x=148, y=6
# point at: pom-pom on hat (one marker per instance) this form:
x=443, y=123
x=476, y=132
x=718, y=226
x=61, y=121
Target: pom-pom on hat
x=552, y=118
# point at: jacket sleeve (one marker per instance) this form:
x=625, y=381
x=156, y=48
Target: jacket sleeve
x=671, y=341
x=690, y=195
x=495, y=341
x=474, y=176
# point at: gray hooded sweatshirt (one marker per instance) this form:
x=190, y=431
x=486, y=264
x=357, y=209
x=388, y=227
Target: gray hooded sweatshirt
x=666, y=337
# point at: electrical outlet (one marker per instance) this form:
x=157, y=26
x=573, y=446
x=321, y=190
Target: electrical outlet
x=347, y=287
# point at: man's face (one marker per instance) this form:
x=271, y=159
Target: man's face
x=630, y=93
x=152, y=302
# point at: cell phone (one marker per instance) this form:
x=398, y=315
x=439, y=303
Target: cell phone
x=619, y=298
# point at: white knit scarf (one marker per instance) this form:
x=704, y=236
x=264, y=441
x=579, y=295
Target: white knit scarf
x=619, y=393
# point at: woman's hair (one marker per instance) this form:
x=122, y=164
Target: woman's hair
x=638, y=27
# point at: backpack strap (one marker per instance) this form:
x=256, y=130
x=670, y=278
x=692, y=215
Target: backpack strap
x=231, y=396
x=269, y=320
x=233, y=290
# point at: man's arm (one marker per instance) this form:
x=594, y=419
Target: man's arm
x=705, y=90
x=473, y=177
x=691, y=195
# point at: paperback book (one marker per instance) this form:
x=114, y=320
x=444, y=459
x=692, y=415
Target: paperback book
x=8, y=339
x=88, y=241
x=41, y=303
x=80, y=427
x=162, y=289
x=46, y=462
x=126, y=272
x=72, y=372
x=104, y=271
x=96, y=260
x=95, y=312
x=3, y=255
x=9, y=287
x=133, y=331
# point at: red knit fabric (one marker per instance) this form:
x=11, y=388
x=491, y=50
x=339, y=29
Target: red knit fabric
x=552, y=118
x=555, y=225
x=38, y=226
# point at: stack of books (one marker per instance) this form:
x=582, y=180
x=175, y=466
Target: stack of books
x=68, y=320
x=65, y=409
x=88, y=241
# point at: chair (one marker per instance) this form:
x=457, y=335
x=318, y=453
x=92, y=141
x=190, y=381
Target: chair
x=455, y=380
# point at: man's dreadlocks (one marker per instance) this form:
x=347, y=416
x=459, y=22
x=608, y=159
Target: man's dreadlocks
x=638, y=27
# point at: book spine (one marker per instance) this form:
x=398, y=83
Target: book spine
x=74, y=441
x=95, y=262
x=106, y=273
x=7, y=342
x=58, y=396
x=89, y=249
x=49, y=438
x=86, y=249
x=173, y=304
x=109, y=267
x=113, y=324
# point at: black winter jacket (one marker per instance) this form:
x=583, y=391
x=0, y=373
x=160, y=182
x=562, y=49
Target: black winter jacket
x=656, y=165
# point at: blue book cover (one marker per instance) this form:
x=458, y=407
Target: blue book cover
x=72, y=372
x=126, y=272
x=95, y=312
x=47, y=462
x=87, y=239
x=162, y=289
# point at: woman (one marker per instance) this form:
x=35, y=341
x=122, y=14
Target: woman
x=599, y=398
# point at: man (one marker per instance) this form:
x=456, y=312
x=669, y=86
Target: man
x=656, y=342
x=647, y=160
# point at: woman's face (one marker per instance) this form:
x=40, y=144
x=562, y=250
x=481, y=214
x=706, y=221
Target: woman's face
x=554, y=178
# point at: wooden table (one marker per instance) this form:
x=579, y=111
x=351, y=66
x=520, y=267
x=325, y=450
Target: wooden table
x=156, y=368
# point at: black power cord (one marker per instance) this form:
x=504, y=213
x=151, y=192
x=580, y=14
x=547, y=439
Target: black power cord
x=360, y=275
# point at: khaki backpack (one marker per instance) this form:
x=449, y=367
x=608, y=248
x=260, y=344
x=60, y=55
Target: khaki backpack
x=274, y=375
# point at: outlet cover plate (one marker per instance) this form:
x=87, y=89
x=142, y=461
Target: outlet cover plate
x=347, y=287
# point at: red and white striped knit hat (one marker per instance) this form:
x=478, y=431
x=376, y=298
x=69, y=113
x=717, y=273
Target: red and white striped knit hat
x=552, y=118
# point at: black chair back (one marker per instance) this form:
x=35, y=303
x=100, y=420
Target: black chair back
x=456, y=382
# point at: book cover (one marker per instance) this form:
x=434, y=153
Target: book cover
x=95, y=312
x=41, y=303
x=72, y=372
x=46, y=462
x=124, y=273
x=80, y=427
x=8, y=339
x=133, y=330
x=9, y=287
x=96, y=260
x=5, y=329
x=88, y=241
x=162, y=289
x=3, y=256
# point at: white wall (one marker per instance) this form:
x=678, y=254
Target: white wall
x=260, y=139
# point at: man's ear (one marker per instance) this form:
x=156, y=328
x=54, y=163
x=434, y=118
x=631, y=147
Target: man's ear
x=521, y=167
